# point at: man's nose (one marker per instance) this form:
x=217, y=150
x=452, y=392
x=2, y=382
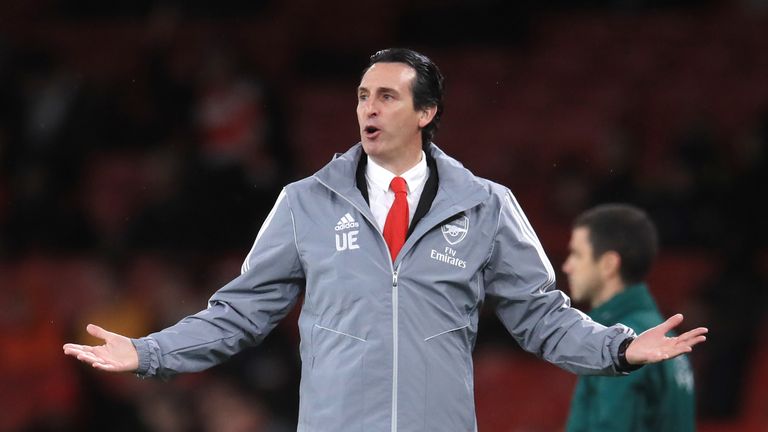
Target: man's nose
x=371, y=108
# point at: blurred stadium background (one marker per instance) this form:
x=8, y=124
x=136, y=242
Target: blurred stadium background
x=142, y=143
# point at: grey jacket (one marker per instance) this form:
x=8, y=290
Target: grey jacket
x=388, y=346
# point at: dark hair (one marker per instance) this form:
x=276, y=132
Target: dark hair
x=626, y=230
x=427, y=87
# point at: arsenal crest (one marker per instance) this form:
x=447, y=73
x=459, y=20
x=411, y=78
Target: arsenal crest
x=455, y=230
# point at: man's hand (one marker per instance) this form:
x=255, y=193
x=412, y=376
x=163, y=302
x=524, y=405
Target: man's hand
x=116, y=355
x=653, y=346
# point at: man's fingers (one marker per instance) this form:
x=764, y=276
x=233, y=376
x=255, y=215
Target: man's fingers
x=71, y=346
x=97, y=331
x=104, y=366
x=693, y=337
x=86, y=357
x=695, y=341
x=672, y=322
x=71, y=352
x=83, y=353
x=655, y=347
x=695, y=332
x=90, y=357
x=113, y=356
x=74, y=350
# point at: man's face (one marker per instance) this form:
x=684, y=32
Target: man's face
x=390, y=127
x=581, y=268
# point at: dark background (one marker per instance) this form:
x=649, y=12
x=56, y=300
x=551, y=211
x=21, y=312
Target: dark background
x=142, y=143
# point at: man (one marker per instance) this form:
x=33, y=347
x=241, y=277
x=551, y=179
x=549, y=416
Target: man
x=611, y=250
x=395, y=246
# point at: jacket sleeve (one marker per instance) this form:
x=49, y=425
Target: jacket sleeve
x=520, y=282
x=241, y=313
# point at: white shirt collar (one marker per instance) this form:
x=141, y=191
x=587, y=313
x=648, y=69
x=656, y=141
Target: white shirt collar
x=379, y=177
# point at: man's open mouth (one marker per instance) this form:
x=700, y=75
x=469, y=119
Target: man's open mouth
x=371, y=132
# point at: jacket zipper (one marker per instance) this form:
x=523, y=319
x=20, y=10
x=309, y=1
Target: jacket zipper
x=395, y=336
x=394, y=308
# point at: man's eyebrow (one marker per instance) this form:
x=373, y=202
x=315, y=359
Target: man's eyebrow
x=378, y=90
x=387, y=90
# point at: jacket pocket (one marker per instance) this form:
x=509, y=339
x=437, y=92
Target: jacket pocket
x=341, y=333
x=449, y=384
x=446, y=332
x=334, y=389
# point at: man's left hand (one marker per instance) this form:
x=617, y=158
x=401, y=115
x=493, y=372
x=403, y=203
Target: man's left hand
x=653, y=345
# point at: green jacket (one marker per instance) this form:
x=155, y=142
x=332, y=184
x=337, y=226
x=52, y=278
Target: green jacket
x=654, y=398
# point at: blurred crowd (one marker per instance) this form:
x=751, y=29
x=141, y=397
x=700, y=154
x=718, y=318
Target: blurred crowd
x=143, y=143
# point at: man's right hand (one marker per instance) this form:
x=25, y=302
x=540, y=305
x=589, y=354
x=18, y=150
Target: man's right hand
x=116, y=355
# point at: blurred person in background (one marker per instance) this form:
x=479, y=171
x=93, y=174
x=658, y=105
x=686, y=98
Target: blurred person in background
x=395, y=246
x=612, y=248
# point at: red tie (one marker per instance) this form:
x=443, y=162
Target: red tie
x=396, y=226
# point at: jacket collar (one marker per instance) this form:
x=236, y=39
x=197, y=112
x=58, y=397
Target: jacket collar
x=634, y=298
x=427, y=194
x=458, y=189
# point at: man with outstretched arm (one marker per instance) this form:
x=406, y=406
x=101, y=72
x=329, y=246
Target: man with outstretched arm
x=395, y=246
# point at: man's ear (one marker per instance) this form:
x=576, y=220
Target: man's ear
x=610, y=263
x=426, y=115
